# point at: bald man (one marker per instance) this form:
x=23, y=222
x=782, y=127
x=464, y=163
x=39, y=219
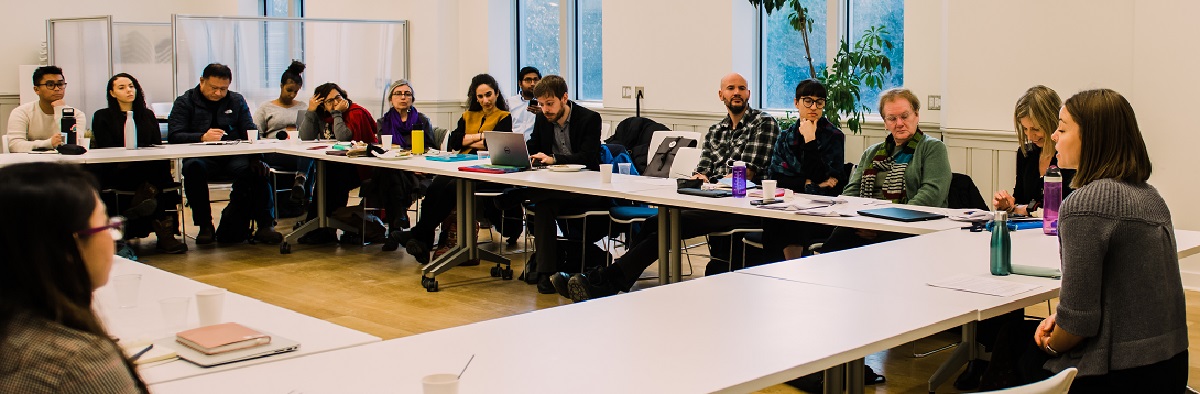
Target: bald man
x=746, y=134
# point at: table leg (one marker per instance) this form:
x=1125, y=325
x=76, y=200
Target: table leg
x=835, y=379
x=675, y=250
x=322, y=219
x=467, y=247
x=966, y=351
x=664, y=246
x=854, y=376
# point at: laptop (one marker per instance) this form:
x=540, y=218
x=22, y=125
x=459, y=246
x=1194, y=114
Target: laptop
x=278, y=345
x=900, y=214
x=508, y=149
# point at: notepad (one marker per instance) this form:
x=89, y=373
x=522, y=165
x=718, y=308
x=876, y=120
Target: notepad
x=220, y=338
x=490, y=169
x=454, y=157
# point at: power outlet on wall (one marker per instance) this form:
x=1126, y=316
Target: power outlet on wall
x=934, y=103
x=639, y=91
x=626, y=92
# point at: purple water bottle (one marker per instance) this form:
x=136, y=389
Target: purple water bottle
x=1052, y=195
x=739, y=179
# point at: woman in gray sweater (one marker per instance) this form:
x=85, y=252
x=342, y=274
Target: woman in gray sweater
x=1121, y=318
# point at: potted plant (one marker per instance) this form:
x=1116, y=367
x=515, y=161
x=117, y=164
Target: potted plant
x=864, y=63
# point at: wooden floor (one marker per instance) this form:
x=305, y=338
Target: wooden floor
x=379, y=293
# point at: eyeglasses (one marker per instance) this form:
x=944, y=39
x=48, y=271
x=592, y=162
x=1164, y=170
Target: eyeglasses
x=808, y=102
x=531, y=79
x=402, y=94
x=332, y=100
x=115, y=228
x=54, y=85
x=902, y=117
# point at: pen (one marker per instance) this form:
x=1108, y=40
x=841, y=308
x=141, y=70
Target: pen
x=139, y=354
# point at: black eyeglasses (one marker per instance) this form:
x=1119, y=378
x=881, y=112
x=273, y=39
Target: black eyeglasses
x=402, y=94
x=115, y=228
x=808, y=102
x=530, y=79
x=54, y=85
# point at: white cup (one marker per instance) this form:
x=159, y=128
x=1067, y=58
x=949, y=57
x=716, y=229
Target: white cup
x=85, y=142
x=126, y=287
x=768, y=189
x=293, y=136
x=252, y=136
x=441, y=383
x=174, y=312
x=386, y=141
x=210, y=303
x=5, y=148
x=606, y=171
x=787, y=194
x=623, y=168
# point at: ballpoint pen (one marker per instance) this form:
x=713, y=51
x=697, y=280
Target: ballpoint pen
x=139, y=354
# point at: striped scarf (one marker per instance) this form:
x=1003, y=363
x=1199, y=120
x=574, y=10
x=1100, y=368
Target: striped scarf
x=892, y=162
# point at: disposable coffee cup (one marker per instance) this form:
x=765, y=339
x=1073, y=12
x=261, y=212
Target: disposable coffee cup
x=210, y=304
x=442, y=383
x=85, y=142
x=768, y=189
x=293, y=137
x=252, y=136
x=606, y=171
x=386, y=141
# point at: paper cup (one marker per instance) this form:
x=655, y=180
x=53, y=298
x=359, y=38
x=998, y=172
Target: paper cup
x=174, y=312
x=442, y=383
x=126, y=287
x=210, y=304
x=293, y=136
x=5, y=148
x=606, y=171
x=768, y=188
x=623, y=168
x=387, y=141
x=85, y=142
x=252, y=136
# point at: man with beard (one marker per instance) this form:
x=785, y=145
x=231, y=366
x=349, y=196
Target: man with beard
x=746, y=134
x=523, y=111
x=565, y=133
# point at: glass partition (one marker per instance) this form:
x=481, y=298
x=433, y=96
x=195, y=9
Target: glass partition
x=362, y=57
x=144, y=51
x=82, y=48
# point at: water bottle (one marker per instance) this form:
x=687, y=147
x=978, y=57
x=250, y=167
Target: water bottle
x=1052, y=195
x=130, y=131
x=1001, y=245
x=739, y=179
x=68, y=125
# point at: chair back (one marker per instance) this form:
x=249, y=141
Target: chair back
x=1057, y=384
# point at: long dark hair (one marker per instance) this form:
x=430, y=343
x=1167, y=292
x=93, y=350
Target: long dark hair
x=42, y=273
x=140, y=109
x=481, y=79
x=1110, y=142
x=323, y=90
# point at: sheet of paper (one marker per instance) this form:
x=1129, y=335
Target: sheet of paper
x=983, y=285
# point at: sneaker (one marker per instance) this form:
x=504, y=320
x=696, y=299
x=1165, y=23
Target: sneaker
x=545, y=284
x=559, y=281
x=417, y=249
x=589, y=285
x=393, y=241
x=207, y=235
x=319, y=236
x=299, y=195
x=268, y=236
x=170, y=245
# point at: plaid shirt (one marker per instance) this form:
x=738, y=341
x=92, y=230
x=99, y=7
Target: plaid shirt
x=750, y=141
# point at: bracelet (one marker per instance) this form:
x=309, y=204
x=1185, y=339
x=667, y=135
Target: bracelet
x=1050, y=349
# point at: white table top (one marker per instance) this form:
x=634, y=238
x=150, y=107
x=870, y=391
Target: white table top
x=145, y=322
x=725, y=333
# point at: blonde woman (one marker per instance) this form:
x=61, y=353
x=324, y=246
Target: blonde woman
x=1035, y=117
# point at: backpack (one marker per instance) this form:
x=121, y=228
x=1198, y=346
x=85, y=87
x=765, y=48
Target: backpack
x=621, y=156
x=235, y=225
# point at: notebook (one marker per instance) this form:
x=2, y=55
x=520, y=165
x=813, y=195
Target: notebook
x=490, y=169
x=508, y=149
x=278, y=345
x=452, y=157
x=900, y=214
x=220, y=338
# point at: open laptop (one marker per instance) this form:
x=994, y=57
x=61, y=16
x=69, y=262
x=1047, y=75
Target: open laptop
x=508, y=149
x=278, y=345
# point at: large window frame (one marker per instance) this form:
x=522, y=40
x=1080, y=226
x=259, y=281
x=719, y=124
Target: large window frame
x=570, y=59
x=293, y=40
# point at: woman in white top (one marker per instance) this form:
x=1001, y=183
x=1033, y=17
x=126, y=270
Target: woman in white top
x=274, y=119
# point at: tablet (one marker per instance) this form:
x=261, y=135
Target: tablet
x=900, y=214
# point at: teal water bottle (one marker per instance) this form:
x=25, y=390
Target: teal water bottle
x=1001, y=245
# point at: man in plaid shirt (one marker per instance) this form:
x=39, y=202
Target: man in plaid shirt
x=746, y=134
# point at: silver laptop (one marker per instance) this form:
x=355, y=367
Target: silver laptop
x=278, y=345
x=507, y=149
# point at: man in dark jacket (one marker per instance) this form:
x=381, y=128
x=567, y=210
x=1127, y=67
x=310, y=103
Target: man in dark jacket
x=211, y=112
x=564, y=133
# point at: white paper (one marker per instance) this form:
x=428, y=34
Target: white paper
x=982, y=285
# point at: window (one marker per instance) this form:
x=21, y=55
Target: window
x=539, y=28
x=280, y=42
x=782, y=62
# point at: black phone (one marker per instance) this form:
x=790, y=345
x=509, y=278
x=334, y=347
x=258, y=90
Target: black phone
x=765, y=201
x=533, y=102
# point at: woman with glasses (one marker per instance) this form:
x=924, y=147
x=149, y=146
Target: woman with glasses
x=331, y=115
x=274, y=119
x=147, y=208
x=50, y=337
x=808, y=158
x=908, y=167
x=397, y=188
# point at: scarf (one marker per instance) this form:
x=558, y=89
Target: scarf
x=892, y=162
x=401, y=129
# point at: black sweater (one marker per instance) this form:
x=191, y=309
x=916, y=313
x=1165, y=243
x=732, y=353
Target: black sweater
x=108, y=128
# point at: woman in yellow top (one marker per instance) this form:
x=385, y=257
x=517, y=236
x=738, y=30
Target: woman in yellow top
x=486, y=111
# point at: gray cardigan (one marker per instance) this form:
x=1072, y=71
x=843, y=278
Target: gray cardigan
x=926, y=181
x=1121, y=288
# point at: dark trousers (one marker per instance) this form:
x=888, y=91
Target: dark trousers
x=130, y=177
x=249, y=188
x=781, y=233
x=844, y=238
x=692, y=223
x=1017, y=360
x=340, y=179
x=548, y=205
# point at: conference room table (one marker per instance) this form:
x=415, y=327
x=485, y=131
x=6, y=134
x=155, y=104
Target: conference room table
x=145, y=323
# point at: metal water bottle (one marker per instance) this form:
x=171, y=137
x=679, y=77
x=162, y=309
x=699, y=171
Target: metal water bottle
x=1052, y=195
x=68, y=125
x=739, y=179
x=130, y=131
x=1001, y=245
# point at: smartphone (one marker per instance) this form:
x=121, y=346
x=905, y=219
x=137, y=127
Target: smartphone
x=765, y=202
x=533, y=102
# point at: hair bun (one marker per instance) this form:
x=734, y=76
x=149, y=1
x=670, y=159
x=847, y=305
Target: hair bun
x=296, y=67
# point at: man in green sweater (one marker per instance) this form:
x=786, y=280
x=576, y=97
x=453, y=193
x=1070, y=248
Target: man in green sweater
x=908, y=167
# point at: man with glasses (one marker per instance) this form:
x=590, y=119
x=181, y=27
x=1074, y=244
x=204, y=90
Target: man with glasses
x=908, y=167
x=745, y=134
x=523, y=107
x=35, y=125
x=210, y=112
